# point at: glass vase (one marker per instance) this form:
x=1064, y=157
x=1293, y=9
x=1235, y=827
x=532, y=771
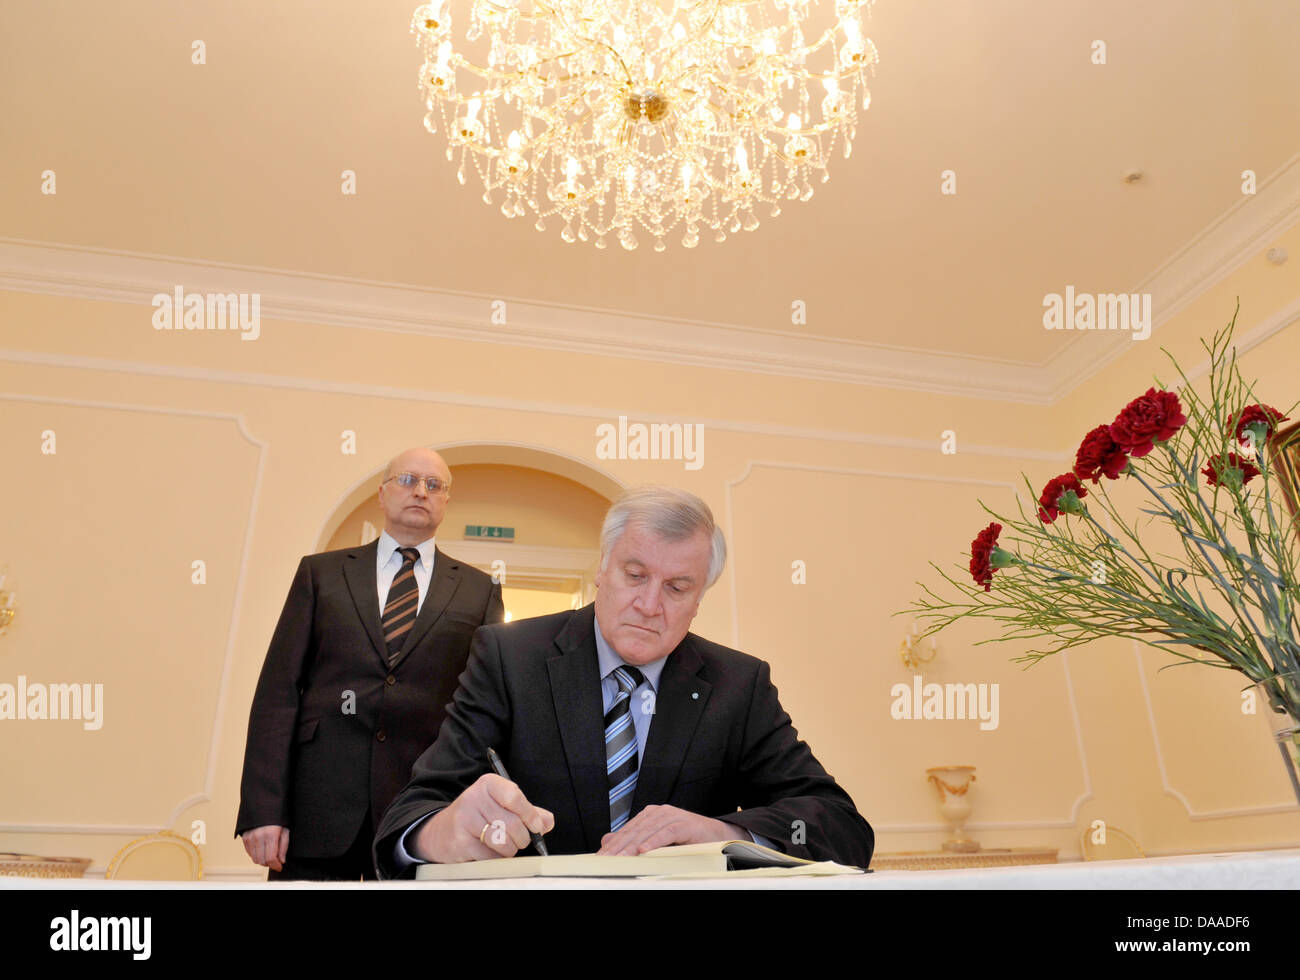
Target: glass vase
x=1278, y=698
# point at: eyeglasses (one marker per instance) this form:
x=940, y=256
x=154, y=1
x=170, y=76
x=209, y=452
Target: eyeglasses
x=431, y=483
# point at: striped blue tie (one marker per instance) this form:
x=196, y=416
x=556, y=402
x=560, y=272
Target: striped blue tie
x=620, y=747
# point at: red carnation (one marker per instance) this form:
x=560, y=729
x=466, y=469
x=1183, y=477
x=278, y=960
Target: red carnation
x=1099, y=455
x=981, y=552
x=1153, y=418
x=1258, y=415
x=1051, y=499
x=1235, y=462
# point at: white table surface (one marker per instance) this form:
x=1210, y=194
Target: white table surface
x=1273, y=869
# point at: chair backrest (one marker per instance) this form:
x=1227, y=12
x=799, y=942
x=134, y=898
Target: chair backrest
x=1118, y=847
x=164, y=856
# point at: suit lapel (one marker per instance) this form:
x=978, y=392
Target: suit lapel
x=363, y=584
x=575, y=693
x=679, y=705
x=446, y=576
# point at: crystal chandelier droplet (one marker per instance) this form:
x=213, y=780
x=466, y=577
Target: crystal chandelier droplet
x=621, y=117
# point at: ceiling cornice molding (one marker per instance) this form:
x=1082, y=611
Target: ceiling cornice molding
x=127, y=277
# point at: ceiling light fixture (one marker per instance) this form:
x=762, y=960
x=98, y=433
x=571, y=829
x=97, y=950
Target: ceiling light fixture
x=613, y=116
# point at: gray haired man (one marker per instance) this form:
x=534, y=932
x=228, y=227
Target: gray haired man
x=621, y=730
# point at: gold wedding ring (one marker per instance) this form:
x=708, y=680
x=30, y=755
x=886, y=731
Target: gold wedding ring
x=483, y=833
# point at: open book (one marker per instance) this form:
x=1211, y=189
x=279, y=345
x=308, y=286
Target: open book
x=695, y=860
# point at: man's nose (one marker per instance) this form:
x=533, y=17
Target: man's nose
x=647, y=600
x=420, y=489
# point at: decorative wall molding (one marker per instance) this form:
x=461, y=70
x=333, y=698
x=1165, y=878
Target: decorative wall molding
x=204, y=795
x=126, y=277
x=1192, y=812
x=1084, y=796
x=600, y=415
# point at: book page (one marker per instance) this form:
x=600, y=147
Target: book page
x=812, y=869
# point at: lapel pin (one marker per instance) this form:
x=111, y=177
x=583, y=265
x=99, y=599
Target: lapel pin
x=695, y=695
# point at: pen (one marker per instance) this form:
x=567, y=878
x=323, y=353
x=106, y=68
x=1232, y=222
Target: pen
x=538, y=844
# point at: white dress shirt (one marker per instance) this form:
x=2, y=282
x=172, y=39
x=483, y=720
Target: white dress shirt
x=388, y=562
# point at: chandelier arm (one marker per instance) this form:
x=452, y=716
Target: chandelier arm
x=813, y=48
x=559, y=16
x=548, y=12
x=749, y=67
x=552, y=135
x=717, y=6
x=773, y=147
x=688, y=73
x=622, y=63
x=817, y=45
x=636, y=9
x=460, y=61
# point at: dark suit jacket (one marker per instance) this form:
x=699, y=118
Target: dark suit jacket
x=719, y=741
x=308, y=765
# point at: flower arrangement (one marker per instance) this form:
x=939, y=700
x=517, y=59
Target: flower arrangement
x=1230, y=600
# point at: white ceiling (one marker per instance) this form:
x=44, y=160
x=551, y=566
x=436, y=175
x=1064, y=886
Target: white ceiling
x=238, y=161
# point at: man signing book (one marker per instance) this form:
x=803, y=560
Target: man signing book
x=622, y=731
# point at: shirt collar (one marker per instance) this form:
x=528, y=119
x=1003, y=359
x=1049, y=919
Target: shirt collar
x=609, y=660
x=388, y=545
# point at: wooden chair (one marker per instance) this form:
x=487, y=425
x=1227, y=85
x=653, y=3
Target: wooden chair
x=1119, y=846
x=164, y=856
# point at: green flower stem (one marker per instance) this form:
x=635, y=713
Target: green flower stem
x=1116, y=541
x=1247, y=578
x=1285, y=561
x=1228, y=590
x=1129, y=532
x=1039, y=615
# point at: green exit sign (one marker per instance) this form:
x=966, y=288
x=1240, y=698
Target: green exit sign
x=486, y=531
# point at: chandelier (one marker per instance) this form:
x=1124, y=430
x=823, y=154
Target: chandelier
x=615, y=116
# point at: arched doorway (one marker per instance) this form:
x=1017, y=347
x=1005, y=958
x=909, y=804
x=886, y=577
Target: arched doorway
x=552, y=504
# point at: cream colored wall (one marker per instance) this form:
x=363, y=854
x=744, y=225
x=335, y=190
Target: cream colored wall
x=176, y=447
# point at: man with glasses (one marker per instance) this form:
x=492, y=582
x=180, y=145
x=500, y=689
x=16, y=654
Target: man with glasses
x=356, y=680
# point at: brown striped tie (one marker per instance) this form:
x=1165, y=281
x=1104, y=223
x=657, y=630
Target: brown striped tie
x=403, y=603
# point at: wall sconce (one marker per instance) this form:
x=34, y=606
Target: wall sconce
x=7, y=610
x=911, y=651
